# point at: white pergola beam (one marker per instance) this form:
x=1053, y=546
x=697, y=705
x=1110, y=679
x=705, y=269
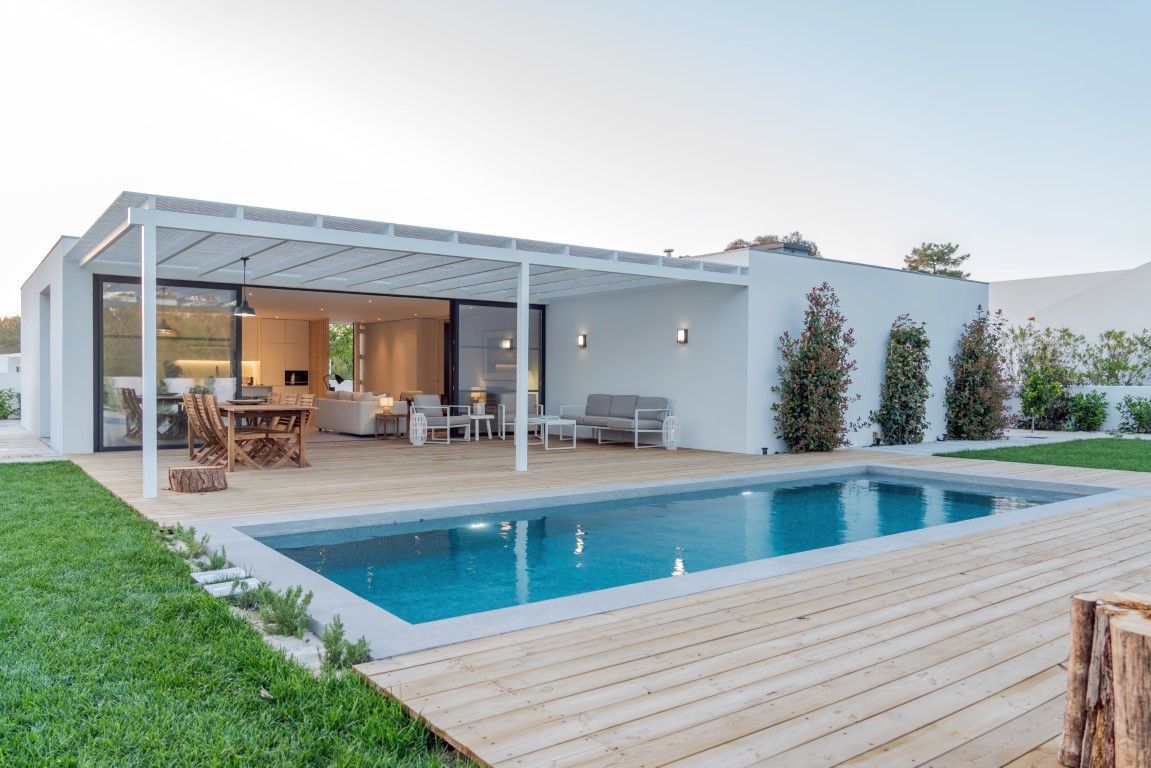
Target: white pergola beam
x=112, y=238
x=301, y=260
x=278, y=231
x=523, y=308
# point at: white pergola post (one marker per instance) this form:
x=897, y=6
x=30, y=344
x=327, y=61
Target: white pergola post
x=148, y=355
x=522, y=313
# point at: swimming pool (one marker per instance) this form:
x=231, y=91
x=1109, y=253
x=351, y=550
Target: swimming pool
x=436, y=569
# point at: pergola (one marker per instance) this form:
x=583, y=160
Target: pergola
x=178, y=238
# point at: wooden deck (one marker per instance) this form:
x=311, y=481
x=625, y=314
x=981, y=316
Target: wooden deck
x=944, y=654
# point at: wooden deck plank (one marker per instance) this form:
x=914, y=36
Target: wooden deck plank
x=942, y=654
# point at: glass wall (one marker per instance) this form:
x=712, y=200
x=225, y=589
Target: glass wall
x=195, y=351
x=486, y=352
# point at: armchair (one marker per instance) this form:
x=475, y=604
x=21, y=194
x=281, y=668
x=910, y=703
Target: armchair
x=443, y=418
x=507, y=411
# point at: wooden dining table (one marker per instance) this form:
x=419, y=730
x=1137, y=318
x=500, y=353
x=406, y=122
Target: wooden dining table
x=236, y=412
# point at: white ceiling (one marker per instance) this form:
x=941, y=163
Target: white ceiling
x=341, y=307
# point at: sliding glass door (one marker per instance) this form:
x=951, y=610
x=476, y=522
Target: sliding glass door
x=196, y=350
x=485, y=352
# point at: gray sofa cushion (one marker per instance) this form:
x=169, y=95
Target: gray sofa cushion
x=623, y=406
x=651, y=402
x=442, y=421
x=629, y=424
x=594, y=421
x=598, y=405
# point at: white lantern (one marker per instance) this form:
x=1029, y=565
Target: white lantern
x=671, y=434
x=418, y=429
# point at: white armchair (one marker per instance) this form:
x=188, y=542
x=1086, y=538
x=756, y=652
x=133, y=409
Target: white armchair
x=507, y=411
x=443, y=418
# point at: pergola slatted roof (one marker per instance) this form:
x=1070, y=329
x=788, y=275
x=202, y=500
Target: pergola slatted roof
x=205, y=240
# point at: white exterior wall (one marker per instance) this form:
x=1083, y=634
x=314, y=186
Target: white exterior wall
x=10, y=371
x=1087, y=303
x=632, y=350
x=871, y=298
x=56, y=369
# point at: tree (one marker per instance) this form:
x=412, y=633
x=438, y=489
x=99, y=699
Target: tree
x=936, y=259
x=794, y=237
x=977, y=389
x=9, y=334
x=902, y=414
x=340, y=336
x=814, y=378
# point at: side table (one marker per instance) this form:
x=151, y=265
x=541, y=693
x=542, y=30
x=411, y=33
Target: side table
x=383, y=419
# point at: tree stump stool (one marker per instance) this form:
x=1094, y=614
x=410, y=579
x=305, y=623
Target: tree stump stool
x=197, y=479
x=1107, y=723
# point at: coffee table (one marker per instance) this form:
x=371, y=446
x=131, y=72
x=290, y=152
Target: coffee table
x=545, y=424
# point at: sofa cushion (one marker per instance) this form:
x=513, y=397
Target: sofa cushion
x=598, y=405
x=628, y=425
x=344, y=395
x=623, y=406
x=593, y=421
x=445, y=421
x=365, y=396
x=651, y=402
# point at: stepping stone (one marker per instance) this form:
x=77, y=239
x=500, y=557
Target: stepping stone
x=223, y=574
x=229, y=588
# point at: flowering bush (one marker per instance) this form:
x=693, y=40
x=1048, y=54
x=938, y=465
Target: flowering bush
x=814, y=378
x=902, y=414
x=977, y=389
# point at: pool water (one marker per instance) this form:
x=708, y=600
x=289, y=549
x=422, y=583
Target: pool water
x=449, y=567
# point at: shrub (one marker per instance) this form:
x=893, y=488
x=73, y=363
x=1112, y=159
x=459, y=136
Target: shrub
x=814, y=378
x=902, y=414
x=283, y=613
x=1027, y=347
x=1135, y=414
x=9, y=403
x=338, y=653
x=1087, y=411
x=977, y=389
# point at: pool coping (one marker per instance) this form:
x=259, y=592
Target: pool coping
x=389, y=635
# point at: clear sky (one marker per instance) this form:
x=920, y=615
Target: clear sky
x=1019, y=130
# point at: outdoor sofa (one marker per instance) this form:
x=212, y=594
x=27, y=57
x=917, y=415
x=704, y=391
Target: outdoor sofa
x=621, y=415
x=353, y=413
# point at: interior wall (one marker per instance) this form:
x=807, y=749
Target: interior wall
x=404, y=356
x=632, y=349
x=871, y=298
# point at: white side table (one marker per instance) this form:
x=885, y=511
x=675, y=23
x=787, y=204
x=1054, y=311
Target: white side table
x=476, y=418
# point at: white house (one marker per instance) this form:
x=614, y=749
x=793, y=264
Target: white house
x=10, y=371
x=153, y=283
x=1087, y=303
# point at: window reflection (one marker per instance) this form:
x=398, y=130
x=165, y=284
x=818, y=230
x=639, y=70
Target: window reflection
x=195, y=347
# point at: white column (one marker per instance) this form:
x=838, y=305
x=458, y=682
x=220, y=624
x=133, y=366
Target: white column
x=148, y=355
x=522, y=312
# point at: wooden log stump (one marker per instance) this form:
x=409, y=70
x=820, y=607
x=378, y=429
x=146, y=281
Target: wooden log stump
x=1107, y=722
x=197, y=479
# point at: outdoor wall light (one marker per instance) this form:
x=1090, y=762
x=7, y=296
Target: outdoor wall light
x=681, y=336
x=581, y=341
x=505, y=343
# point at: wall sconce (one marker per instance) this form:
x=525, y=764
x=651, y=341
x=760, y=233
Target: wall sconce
x=681, y=336
x=505, y=343
x=581, y=341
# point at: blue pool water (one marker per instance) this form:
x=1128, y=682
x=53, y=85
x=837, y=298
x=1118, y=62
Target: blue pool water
x=454, y=566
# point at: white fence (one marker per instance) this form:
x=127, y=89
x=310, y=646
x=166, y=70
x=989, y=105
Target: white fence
x=1114, y=395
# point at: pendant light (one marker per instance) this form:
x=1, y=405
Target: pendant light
x=244, y=309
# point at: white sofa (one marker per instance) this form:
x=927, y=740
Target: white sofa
x=353, y=413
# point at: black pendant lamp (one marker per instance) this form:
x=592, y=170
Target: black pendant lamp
x=244, y=309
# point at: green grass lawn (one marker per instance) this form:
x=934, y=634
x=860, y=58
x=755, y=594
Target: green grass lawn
x=1099, y=453
x=110, y=656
